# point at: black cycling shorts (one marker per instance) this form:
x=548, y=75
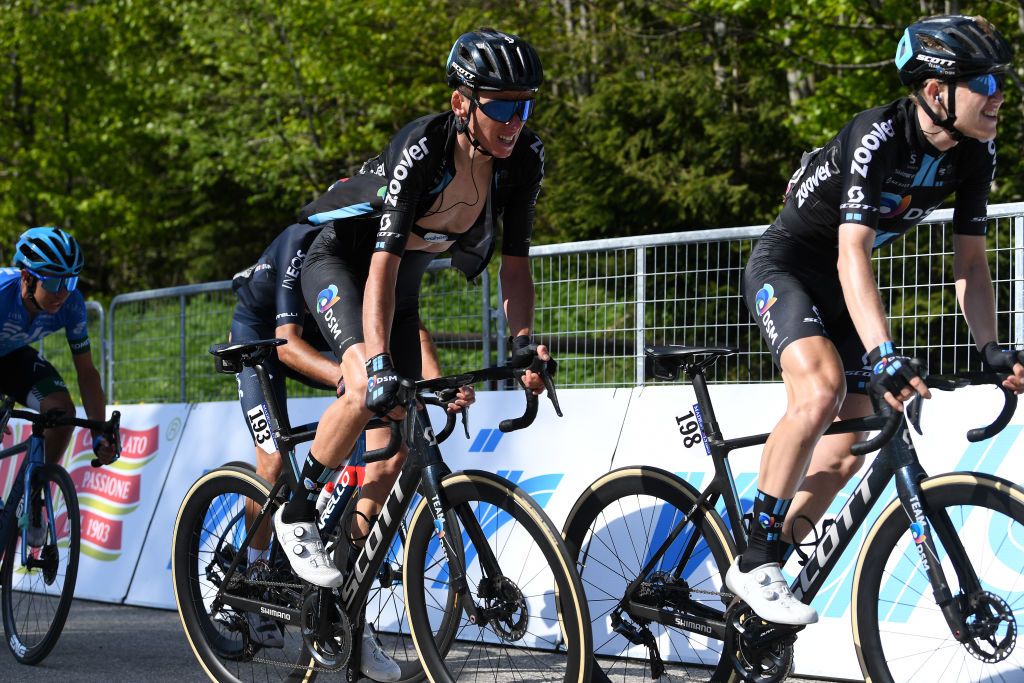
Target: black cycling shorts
x=333, y=279
x=792, y=297
x=28, y=378
x=245, y=327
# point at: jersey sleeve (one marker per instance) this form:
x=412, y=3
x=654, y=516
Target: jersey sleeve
x=76, y=324
x=517, y=222
x=866, y=153
x=289, y=257
x=412, y=157
x=970, y=210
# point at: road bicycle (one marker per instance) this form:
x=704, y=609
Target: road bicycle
x=486, y=580
x=40, y=539
x=937, y=590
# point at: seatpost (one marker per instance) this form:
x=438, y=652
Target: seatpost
x=700, y=387
x=273, y=410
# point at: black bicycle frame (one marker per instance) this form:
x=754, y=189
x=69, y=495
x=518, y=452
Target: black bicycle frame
x=897, y=458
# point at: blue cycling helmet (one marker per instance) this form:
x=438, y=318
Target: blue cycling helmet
x=49, y=251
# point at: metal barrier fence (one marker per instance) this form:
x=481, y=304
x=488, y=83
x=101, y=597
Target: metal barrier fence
x=598, y=304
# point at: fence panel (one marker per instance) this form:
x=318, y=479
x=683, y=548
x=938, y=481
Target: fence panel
x=598, y=304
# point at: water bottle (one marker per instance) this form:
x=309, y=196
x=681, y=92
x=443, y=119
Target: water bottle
x=325, y=496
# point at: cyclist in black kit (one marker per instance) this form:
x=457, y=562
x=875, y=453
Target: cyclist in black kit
x=441, y=185
x=810, y=286
x=270, y=304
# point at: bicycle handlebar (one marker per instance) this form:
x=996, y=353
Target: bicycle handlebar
x=887, y=431
x=55, y=418
x=409, y=392
x=958, y=381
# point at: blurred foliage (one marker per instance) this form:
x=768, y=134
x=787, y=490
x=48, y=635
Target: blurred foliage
x=176, y=138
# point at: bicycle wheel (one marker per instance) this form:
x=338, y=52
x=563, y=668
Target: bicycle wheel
x=385, y=603
x=900, y=632
x=208, y=533
x=37, y=593
x=532, y=620
x=613, y=531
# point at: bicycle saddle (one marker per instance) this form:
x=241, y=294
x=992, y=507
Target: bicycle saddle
x=232, y=357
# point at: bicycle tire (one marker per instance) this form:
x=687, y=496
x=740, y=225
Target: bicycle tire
x=614, y=528
x=29, y=637
x=986, y=510
x=210, y=521
x=385, y=603
x=544, y=646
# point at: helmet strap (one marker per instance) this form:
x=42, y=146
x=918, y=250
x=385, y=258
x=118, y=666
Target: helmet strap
x=947, y=123
x=462, y=126
x=31, y=298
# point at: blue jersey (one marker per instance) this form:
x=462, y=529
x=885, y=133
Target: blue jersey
x=18, y=328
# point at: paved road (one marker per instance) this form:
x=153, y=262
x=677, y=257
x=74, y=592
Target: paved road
x=103, y=643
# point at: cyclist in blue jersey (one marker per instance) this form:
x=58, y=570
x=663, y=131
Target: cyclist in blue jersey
x=270, y=304
x=442, y=185
x=39, y=296
x=810, y=286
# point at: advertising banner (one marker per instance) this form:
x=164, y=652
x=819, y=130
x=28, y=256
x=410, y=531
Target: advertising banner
x=215, y=435
x=116, y=501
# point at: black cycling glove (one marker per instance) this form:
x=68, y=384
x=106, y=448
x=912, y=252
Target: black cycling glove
x=523, y=351
x=998, y=360
x=889, y=371
x=382, y=383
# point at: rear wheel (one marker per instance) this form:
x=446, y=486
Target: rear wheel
x=613, y=531
x=37, y=591
x=208, y=534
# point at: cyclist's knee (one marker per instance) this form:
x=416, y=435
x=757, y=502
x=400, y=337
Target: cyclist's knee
x=817, y=401
x=58, y=400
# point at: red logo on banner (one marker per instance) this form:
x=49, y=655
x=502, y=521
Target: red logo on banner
x=101, y=531
x=136, y=444
x=108, y=484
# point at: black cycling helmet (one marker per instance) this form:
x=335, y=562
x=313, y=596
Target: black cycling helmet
x=486, y=59
x=950, y=48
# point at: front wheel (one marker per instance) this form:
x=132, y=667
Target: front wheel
x=520, y=604
x=37, y=592
x=614, y=532
x=900, y=632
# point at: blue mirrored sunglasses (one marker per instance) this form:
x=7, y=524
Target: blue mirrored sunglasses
x=54, y=284
x=502, y=111
x=986, y=84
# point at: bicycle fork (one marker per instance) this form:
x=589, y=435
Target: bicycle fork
x=924, y=525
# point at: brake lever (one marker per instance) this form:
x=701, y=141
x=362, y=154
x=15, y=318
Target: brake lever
x=914, y=410
x=465, y=420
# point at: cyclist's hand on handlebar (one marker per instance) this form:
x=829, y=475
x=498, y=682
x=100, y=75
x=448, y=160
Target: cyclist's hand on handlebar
x=533, y=380
x=896, y=378
x=103, y=449
x=1011, y=362
x=382, y=384
x=464, y=399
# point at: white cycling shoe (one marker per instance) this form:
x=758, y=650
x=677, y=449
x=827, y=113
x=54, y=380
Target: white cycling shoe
x=305, y=552
x=376, y=664
x=765, y=590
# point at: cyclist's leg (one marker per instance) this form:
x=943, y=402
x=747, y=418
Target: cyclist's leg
x=32, y=381
x=381, y=476
x=832, y=464
x=247, y=327
x=792, y=325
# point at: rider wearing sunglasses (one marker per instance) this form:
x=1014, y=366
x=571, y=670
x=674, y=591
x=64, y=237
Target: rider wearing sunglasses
x=38, y=297
x=810, y=287
x=444, y=184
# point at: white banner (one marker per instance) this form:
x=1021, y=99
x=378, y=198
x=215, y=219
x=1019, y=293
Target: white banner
x=215, y=435
x=116, y=501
